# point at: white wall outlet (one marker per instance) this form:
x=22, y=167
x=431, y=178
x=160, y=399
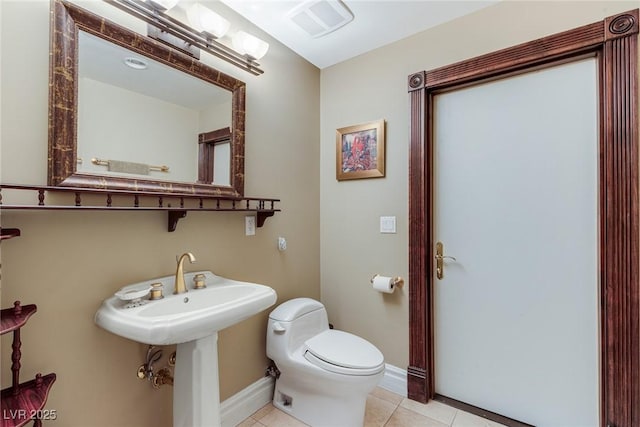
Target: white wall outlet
x=282, y=244
x=388, y=224
x=249, y=225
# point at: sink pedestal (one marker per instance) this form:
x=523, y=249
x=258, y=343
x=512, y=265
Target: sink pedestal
x=196, y=391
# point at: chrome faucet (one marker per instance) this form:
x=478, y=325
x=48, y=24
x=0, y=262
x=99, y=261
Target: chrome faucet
x=180, y=286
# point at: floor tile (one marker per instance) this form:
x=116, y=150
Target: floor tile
x=262, y=412
x=435, y=410
x=465, y=419
x=387, y=395
x=384, y=409
x=403, y=417
x=277, y=418
x=378, y=411
x=249, y=422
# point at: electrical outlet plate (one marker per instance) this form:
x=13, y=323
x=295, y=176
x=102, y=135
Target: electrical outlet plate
x=249, y=225
x=282, y=244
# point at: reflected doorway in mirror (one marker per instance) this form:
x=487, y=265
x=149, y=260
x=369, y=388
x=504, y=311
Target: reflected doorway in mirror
x=214, y=157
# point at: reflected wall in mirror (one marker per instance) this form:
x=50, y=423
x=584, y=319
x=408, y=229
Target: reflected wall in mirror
x=115, y=126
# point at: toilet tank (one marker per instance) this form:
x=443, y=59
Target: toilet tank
x=292, y=323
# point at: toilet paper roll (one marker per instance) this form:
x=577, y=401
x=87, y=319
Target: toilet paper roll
x=383, y=284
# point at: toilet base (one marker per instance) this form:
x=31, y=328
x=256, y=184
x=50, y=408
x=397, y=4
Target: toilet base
x=341, y=404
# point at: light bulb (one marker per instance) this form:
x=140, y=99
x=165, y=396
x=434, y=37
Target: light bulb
x=206, y=20
x=247, y=44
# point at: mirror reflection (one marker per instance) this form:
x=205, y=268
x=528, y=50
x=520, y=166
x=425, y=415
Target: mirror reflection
x=140, y=118
x=145, y=130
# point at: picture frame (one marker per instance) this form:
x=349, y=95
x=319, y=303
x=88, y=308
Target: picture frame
x=360, y=151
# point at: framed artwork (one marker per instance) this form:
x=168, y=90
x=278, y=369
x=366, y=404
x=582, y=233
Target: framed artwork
x=360, y=151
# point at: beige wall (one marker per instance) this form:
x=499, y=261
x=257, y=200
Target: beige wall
x=68, y=262
x=374, y=86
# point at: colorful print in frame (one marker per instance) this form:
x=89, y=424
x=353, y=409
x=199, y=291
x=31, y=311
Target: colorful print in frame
x=360, y=151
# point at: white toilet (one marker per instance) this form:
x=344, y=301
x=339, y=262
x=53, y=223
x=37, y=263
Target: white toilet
x=325, y=375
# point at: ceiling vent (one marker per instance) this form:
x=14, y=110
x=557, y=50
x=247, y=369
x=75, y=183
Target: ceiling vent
x=320, y=17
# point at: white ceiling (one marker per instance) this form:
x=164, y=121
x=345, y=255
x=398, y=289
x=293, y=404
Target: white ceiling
x=376, y=23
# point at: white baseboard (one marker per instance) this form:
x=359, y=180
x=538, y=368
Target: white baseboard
x=243, y=404
x=395, y=380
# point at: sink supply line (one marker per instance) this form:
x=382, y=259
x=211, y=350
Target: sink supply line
x=162, y=376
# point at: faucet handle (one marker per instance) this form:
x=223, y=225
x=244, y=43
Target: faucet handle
x=156, y=291
x=198, y=279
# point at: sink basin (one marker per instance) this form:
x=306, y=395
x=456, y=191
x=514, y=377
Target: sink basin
x=191, y=320
x=185, y=317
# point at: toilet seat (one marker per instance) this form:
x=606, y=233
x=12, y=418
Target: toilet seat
x=343, y=353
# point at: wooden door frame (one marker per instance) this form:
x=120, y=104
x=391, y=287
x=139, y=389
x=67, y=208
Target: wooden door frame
x=615, y=42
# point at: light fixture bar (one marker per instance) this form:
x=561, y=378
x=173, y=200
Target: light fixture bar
x=166, y=23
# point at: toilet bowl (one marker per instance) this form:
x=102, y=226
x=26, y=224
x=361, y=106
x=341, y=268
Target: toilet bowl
x=325, y=374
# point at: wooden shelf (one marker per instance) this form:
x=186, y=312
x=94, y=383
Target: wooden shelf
x=15, y=317
x=22, y=402
x=175, y=204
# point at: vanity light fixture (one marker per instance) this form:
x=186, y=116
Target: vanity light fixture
x=205, y=30
x=163, y=4
x=206, y=20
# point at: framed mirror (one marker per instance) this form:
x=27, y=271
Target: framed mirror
x=127, y=112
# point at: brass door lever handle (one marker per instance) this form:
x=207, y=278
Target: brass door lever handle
x=440, y=260
x=445, y=257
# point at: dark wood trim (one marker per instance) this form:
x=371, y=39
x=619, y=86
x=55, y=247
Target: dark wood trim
x=215, y=136
x=66, y=20
x=619, y=214
x=510, y=422
x=419, y=378
x=175, y=204
x=525, y=55
x=615, y=42
x=206, y=143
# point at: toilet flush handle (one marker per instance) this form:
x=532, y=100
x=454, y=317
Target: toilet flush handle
x=278, y=328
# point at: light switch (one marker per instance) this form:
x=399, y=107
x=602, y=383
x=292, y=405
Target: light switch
x=388, y=224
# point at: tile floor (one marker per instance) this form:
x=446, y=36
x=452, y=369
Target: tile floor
x=384, y=409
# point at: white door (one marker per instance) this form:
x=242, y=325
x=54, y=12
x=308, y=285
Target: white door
x=515, y=202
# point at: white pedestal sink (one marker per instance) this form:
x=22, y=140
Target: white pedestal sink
x=196, y=394
x=191, y=320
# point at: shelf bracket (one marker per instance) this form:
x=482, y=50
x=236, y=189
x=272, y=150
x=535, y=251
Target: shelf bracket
x=174, y=216
x=261, y=217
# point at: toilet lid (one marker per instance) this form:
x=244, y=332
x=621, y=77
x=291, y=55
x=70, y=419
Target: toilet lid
x=342, y=352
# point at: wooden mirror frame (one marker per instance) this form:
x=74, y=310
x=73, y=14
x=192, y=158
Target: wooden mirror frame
x=66, y=21
x=614, y=41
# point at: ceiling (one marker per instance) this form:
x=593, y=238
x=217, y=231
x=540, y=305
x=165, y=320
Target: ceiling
x=376, y=23
x=103, y=61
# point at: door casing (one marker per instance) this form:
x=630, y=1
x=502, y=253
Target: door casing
x=614, y=41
